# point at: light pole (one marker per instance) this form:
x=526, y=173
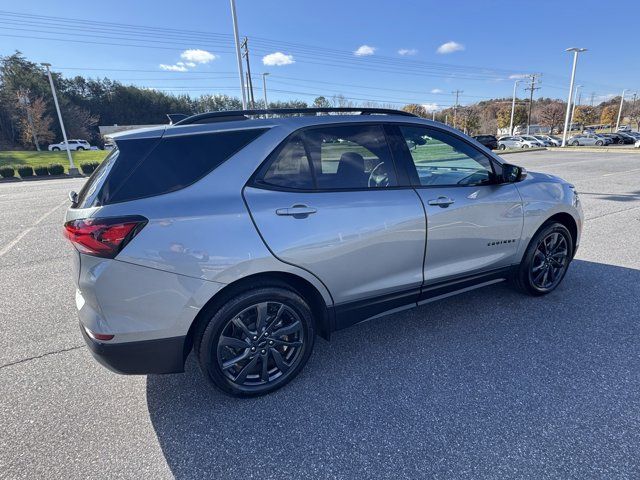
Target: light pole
x=72, y=168
x=620, y=109
x=238, y=52
x=575, y=51
x=264, y=89
x=513, y=105
x=573, y=110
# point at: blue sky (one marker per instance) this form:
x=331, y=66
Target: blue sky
x=310, y=47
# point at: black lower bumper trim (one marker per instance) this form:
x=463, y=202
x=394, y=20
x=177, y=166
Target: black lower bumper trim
x=164, y=355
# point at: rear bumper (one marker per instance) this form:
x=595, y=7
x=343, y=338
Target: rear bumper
x=164, y=355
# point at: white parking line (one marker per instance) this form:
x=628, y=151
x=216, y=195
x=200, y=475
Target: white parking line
x=13, y=242
x=620, y=173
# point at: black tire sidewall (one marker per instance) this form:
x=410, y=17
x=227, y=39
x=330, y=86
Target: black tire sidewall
x=523, y=279
x=207, y=344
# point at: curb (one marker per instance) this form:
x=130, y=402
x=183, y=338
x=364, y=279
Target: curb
x=597, y=149
x=36, y=178
x=520, y=150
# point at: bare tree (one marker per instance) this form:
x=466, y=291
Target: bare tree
x=552, y=115
x=34, y=123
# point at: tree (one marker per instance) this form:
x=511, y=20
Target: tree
x=585, y=114
x=321, y=102
x=468, y=120
x=79, y=122
x=519, y=116
x=551, y=115
x=416, y=109
x=35, y=124
x=634, y=114
x=609, y=115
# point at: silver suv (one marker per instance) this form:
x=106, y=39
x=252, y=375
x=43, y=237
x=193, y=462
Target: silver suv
x=243, y=235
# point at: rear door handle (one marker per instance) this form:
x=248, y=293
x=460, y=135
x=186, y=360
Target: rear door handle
x=442, y=202
x=296, y=211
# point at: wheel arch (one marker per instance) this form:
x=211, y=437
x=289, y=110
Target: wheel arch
x=322, y=314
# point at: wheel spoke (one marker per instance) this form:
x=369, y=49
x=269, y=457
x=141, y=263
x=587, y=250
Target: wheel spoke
x=261, y=318
x=280, y=363
x=288, y=330
x=234, y=361
x=264, y=376
x=537, y=278
x=284, y=343
x=242, y=376
x=233, y=342
x=240, y=324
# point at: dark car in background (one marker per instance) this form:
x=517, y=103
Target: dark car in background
x=619, y=138
x=489, y=141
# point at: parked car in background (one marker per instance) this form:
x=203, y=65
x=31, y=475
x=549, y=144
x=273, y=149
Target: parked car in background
x=628, y=139
x=109, y=146
x=549, y=141
x=615, y=138
x=235, y=255
x=624, y=128
x=518, y=141
x=534, y=141
x=489, y=141
x=587, y=139
x=637, y=144
x=73, y=145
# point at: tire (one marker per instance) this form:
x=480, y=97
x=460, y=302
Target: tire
x=525, y=146
x=79, y=148
x=598, y=143
x=576, y=143
x=502, y=147
x=530, y=276
x=55, y=149
x=283, y=355
x=620, y=142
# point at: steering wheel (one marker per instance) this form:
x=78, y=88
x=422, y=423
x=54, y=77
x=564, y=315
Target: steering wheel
x=379, y=179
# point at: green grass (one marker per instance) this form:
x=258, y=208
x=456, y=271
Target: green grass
x=37, y=159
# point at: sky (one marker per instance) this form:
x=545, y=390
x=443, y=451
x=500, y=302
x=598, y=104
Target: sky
x=394, y=52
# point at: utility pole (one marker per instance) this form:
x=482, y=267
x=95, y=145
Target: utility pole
x=620, y=109
x=238, y=53
x=593, y=96
x=433, y=116
x=23, y=99
x=245, y=45
x=455, y=108
x=72, y=168
x=532, y=88
x=264, y=90
x=575, y=51
x=513, y=105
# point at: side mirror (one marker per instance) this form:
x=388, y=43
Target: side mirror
x=73, y=198
x=513, y=173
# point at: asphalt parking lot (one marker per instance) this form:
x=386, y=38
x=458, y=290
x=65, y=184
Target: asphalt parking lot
x=490, y=384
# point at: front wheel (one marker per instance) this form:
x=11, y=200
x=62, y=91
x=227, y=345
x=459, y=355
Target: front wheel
x=80, y=148
x=576, y=143
x=546, y=260
x=257, y=342
x=599, y=143
x=55, y=149
x=502, y=147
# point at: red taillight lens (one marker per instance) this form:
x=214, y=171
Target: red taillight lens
x=103, y=237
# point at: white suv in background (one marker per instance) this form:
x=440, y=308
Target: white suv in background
x=73, y=145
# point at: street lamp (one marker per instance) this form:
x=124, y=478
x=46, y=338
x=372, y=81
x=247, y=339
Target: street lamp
x=238, y=52
x=575, y=51
x=72, y=169
x=573, y=110
x=513, y=105
x=264, y=89
x=620, y=110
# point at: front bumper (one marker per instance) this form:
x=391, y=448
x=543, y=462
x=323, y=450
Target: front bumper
x=164, y=355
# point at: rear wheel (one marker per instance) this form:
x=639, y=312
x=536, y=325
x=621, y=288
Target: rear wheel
x=546, y=260
x=55, y=149
x=502, y=147
x=257, y=342
x=599, y=143
x=576, y=143
x=80, y=148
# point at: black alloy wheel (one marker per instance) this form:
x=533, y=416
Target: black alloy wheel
x=257, y=342
x=546, y=260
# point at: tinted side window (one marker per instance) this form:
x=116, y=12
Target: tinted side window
x=442, y=159
x=177, y=162
x=350, y=157
x=290, y=168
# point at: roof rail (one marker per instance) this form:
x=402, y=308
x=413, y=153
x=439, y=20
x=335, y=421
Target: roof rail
x=231, y=115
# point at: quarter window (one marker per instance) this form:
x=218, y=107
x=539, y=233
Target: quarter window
x=441, y=159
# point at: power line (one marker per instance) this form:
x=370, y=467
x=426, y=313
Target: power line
x=534, y=78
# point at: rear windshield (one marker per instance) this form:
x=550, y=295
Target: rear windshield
x=141, y=168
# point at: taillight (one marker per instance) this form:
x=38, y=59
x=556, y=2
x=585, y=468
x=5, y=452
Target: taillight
x=103, y=237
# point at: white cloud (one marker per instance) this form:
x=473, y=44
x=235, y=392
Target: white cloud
x=436, y=90
x=431, y=107
x=196, y=55
x=190, y=64
x=450, y=47
x=407, y=51
x=173, y=68
x=517, y=76
x=277, y=59
x=364, y=50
